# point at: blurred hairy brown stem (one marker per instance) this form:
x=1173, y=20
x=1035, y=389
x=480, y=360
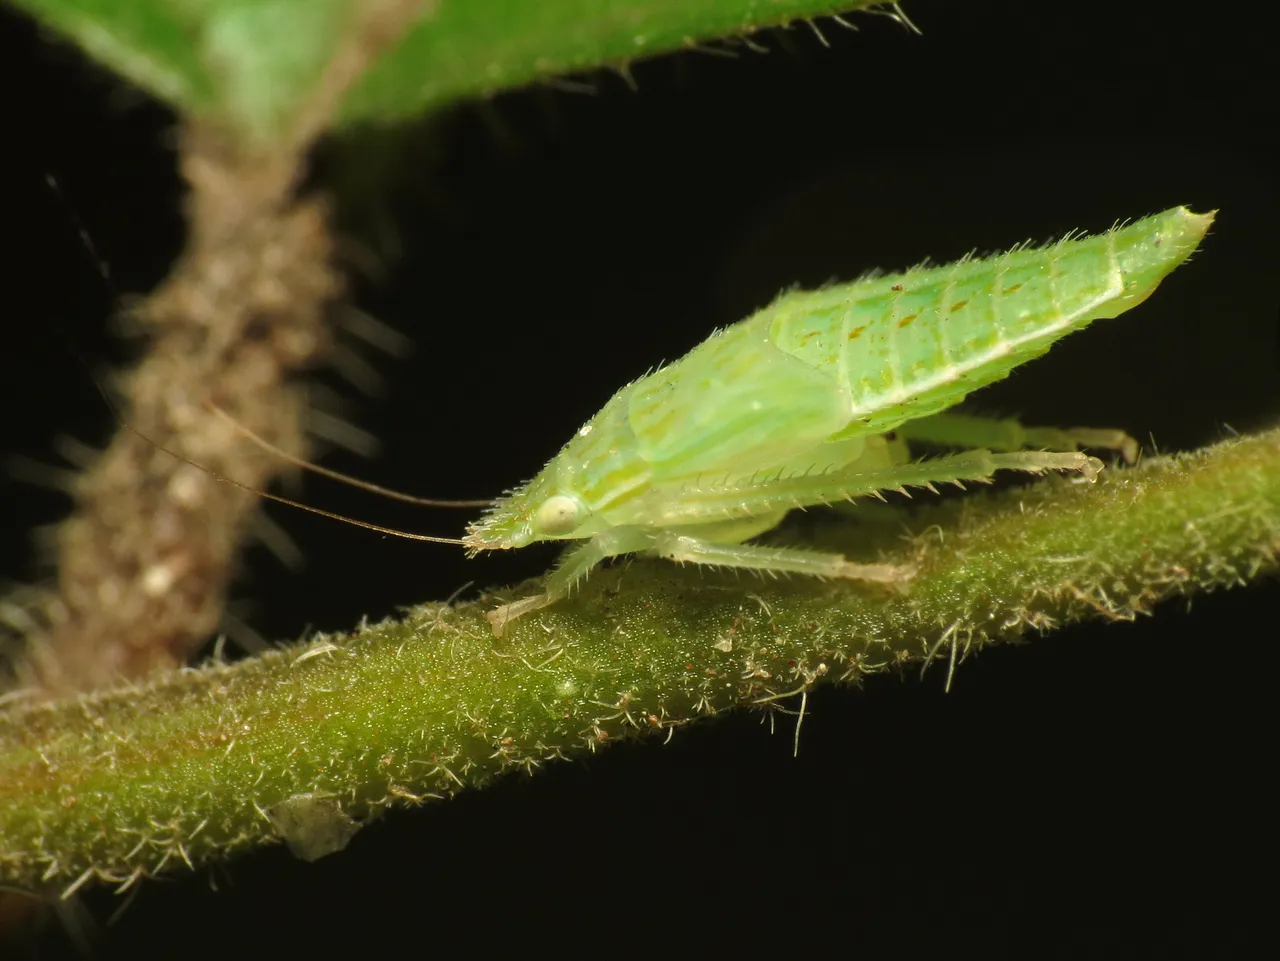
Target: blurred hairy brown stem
x=144, y=561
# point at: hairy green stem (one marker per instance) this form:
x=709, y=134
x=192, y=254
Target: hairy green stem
x=305, y=742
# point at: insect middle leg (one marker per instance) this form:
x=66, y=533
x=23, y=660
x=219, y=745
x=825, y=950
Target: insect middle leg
x=676, y=546
x=953, y=429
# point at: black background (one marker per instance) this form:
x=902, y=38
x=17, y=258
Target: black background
x=1099, y=792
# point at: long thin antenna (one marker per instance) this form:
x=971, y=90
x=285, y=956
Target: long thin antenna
x=336, y=475
x=407, y=535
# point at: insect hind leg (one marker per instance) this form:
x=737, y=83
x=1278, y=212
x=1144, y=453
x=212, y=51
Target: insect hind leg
x=954, y=429
x=848, y=483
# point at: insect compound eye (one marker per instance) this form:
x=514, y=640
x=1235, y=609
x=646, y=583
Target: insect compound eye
x=558, y=514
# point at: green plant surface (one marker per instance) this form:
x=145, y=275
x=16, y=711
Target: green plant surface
x=479, y=48
x=306, y=742
x=252, y=65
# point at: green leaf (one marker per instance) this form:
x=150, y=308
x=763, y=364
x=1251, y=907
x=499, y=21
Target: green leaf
x=479, y=47
x=255, y=65
x=303, y=744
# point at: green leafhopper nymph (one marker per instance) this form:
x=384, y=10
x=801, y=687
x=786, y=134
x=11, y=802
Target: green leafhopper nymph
x=815, y=398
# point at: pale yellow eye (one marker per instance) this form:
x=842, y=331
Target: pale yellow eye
x=558, y=514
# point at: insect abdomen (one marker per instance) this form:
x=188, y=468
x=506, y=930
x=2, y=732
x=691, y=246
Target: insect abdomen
x=912, y=344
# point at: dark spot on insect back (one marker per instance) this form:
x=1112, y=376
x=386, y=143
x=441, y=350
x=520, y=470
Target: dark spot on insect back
x=856, y=332
x=907, y=319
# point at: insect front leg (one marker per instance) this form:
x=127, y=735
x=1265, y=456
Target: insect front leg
x=574, y=566
x=954, y=429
